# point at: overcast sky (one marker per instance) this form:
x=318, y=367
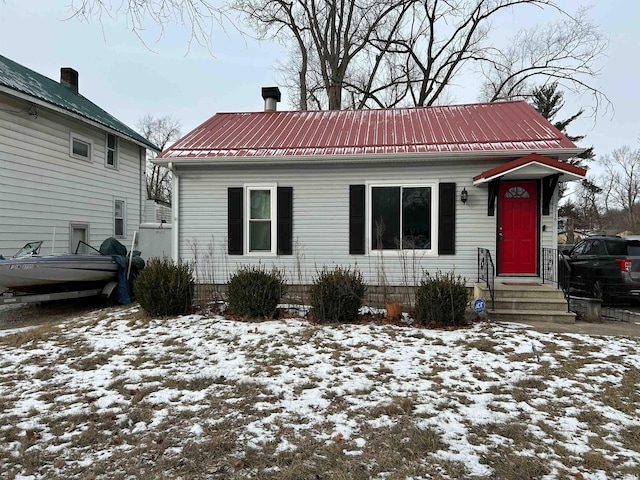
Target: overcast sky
x=166, y=77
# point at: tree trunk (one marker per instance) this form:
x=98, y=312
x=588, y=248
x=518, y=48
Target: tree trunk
x=335, y=96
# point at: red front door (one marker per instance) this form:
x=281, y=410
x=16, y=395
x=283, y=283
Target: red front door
x=517, y=228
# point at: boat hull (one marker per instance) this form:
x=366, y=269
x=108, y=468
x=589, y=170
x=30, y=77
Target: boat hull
x=56, y=272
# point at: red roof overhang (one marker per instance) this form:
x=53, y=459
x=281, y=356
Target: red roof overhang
x=532, y=166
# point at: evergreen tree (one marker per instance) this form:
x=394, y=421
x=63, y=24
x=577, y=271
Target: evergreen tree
x=548, y=101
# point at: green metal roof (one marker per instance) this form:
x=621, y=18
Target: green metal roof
x=21, y=79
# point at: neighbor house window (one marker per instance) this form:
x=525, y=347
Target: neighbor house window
x=402, y=217
x=112, y=151
x=118, y=217
x=261, y=212
x=80, y=147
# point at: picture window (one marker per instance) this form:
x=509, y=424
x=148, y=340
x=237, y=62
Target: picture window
x=401, y=217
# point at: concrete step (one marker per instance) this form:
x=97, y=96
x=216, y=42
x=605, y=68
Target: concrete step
x=534, y=316
x=516, y=302
x=525, y=291
x=529, y=304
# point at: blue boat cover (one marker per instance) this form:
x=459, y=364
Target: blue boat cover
x=122, y=293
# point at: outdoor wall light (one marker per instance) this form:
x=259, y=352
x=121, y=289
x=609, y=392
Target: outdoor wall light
x=464, y=195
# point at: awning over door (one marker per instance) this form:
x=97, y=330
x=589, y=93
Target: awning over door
x=531, y=167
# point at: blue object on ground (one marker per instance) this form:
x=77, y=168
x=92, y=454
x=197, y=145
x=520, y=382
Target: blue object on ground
x=478, y=305
x=122, y=292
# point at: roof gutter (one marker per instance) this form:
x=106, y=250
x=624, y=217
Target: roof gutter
x=218, y=161
x=77, y=116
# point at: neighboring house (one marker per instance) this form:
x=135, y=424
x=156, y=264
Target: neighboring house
x=69, y=171
x=390, y=192
x=156, y=211
x=564, y=238
x=155, y=231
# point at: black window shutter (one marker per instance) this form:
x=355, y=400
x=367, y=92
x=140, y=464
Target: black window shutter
x=356, y=219
x=447, y=219
x=285, y=221
x=235, y=221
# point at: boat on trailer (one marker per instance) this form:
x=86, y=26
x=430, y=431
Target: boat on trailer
x=29, y=272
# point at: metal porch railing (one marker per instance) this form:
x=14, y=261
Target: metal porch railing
x=556, y=271
x=487, y=271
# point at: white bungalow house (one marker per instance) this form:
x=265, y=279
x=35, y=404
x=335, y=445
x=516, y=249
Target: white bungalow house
x=393, y=192
x=69, y=171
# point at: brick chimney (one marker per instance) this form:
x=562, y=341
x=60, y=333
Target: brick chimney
x=69, y=78
x=271, y=97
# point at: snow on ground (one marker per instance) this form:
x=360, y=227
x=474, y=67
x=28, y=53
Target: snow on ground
x=84, y=395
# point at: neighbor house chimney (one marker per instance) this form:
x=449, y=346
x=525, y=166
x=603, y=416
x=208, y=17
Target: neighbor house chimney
x=69, y=78
x=271, y=96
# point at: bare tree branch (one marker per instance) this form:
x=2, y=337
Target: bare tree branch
x=160, y=131
x=385, y=53
x=621, y=182
x=566, y=52
x=200, y=16
x=392, y=52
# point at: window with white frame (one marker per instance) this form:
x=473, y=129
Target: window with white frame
x=119, y=218
x=402, y=217
x=111, y=159
x=80, y=147
x=261, y=214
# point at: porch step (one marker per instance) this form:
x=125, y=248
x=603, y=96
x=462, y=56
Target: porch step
x=530, y=304
x=526, y=301
x=526, y=291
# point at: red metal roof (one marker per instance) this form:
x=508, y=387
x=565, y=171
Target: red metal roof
x=534, y=158
x=457, y=128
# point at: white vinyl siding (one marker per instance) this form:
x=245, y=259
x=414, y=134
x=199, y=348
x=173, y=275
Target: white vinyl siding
x=321, y=218
x=549, y=234
x=43, y=190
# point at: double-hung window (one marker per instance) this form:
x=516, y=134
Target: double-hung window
x=119, y=218
x=260, y=220
x=261, y=213
x=80, y=147
x=111, y=158
x=402, y=217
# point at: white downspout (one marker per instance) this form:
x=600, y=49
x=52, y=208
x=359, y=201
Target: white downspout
x=143, y=183
x=175, y=200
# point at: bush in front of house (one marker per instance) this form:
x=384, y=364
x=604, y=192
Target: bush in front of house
x=165, y=288
x=254, y=292
x=336, y=295
x=441, y=299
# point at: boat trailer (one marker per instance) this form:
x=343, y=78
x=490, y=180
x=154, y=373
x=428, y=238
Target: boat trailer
x=9, y=298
